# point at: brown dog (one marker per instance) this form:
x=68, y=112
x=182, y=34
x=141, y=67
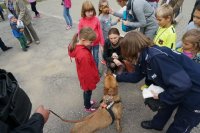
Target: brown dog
x=109, y=111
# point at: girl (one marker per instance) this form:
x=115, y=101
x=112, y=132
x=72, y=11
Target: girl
x=85, y=64
x=105, y=18
x=67, y=16
x=89, y=19
x=176, y=73
x=112, y=51
x=191, y=45
x=33, y=7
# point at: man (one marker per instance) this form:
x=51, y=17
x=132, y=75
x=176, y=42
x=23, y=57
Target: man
x=25, y=16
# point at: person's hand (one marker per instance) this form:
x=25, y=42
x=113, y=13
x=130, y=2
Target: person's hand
x=155, y=95
x=118, y=19
x=21, y=30
x=125, y=22
x=44, y=112
x=117, y=62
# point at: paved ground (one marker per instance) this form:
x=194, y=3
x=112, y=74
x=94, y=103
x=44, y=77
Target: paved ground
x=49, y=77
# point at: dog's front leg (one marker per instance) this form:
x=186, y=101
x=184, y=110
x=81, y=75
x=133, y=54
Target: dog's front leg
x=118, y=125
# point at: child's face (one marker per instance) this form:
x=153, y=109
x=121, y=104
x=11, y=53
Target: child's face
x=104, y=8
x=196, y=17
x=89, y=13
x=188, y=46
x=163, y=22
x=86, y=42
x=13, y=19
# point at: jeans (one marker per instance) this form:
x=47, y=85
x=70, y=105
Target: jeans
x=33, y=7
x=95, y=52
x=67, y=16
x=87, y=96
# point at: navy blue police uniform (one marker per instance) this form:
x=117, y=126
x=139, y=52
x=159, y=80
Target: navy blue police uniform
x=180, y=78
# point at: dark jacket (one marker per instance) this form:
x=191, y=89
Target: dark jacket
x=33, y=125
x=175, y=72
x=109, y=50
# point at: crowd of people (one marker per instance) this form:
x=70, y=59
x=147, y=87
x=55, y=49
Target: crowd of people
x=150, y=47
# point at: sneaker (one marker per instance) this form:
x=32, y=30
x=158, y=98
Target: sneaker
x=143, y=87
x=37, y=42
x=24, y=49
x=90, y=110
x=93, y=102
x=68, y=27
x=27, y=46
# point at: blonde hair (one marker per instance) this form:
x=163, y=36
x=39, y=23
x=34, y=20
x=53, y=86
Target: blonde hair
x=86, y=33
x=100, y=5
x=165, y=11
x=87, y=6
x=132, y=44
x=193, y=37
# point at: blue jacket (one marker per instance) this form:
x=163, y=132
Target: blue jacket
x=16, y=31
x=173, y=71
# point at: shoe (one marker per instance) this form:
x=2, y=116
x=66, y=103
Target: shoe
x=68, y=27
x=143, y=87
x=90, y=110
x=28, y=42
x=27, y=46
x=93, y=102
x=7, y=48
x=148, y=125
x=37, y=42
x=24, y=49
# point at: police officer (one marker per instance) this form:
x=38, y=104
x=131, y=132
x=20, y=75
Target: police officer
x=176, y=73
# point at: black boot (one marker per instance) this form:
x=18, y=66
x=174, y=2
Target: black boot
x=7, y=48
x=148, y=125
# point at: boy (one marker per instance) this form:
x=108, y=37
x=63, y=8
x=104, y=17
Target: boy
x=18, y=31
x=166, y=35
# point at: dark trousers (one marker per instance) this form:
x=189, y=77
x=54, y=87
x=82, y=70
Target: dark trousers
x=2, y=45
x=184, y=119
x=13, y=12
x=33, y=7
x=1, y=13
x=87, y=97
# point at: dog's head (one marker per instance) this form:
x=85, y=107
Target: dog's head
x=110, y=85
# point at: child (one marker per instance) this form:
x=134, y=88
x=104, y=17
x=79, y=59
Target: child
x=89, y=19
x=176, y=5
x=33, y=8
x=18, y=32
x=191, y=45
x=85, y=64
x=105, y=18
x=166, y=35
x=67, y=16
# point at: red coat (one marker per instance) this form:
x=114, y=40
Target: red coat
x=86, y=68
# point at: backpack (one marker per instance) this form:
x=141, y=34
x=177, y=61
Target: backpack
x=15, y=105
x=130, y=17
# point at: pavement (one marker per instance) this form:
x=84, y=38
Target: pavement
x=49, y=77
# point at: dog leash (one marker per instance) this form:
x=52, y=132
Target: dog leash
x=69, y=121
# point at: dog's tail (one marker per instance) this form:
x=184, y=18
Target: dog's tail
x=72, y=121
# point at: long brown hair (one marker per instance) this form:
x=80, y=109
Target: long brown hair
x=132, y=44
x=86, y=33
x=87, y=6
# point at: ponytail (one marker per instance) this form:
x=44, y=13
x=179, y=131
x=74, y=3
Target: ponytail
x=73, y=42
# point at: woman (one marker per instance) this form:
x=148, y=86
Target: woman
x=144, y=16
x=177, y=74
x=33, y=8
x=66, y=14
x=112, y=51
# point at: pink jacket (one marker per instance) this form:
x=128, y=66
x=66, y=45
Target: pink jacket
x=67, y=3
x=93, y=23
